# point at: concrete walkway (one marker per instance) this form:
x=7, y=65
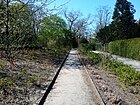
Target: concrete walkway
x=72, y=86
x=131, y=62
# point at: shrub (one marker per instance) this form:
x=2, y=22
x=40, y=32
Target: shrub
x=96, y=58
x=126, y=74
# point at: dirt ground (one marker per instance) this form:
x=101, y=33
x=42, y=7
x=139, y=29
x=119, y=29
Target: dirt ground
x=26, y=83
x=109, y=87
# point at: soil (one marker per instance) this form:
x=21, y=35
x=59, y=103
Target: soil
x=26, y=83
x=109, y=87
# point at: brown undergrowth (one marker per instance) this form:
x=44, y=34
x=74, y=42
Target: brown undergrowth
x=27, y=82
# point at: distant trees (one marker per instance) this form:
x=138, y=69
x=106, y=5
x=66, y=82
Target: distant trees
x=72, y=18
x=102, y=17
x=102, y=35
x=77, y=25
x=123, y=25
x=102, y=21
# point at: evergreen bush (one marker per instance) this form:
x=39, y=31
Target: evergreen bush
x=129, y=48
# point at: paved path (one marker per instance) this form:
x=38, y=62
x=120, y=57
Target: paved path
x=72, y=86
x=133, y=63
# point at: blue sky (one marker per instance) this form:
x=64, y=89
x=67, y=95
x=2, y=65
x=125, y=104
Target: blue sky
x=89, y=6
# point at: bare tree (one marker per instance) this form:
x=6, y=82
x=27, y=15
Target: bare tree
x=81, y=27
x=71, y=18
x=77, y=24
x=102, y=17
x=102, y=20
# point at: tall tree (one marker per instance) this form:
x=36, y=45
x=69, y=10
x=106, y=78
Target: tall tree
x=123, y=19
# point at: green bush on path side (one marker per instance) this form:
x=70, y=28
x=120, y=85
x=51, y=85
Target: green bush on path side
x=129, y=48
x=95, y=58
x=126, y=74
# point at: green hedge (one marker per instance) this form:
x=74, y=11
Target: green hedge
x=127, y=48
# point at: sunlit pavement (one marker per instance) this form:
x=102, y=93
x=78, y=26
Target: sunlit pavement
x=131, y=62
x=72, y=86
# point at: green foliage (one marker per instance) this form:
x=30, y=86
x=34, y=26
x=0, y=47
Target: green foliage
x=6, y=82
x=135, y=90
x=127, y=48
x=107, y=34
x=126, y=74
x=53, y=32
x=56, y=52
x=95, y=58
x=104, y=35
x=87, y=45
x=32, y=79
x=137, y=29
x=84, y=41
x=19, y=29
x=123, y=25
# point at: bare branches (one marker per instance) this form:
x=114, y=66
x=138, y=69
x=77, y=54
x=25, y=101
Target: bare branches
x=71, y=18
x=102, y=17
x=77, y=24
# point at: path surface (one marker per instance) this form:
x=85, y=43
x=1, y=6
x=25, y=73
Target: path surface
x=133, y=63
x=72, y=86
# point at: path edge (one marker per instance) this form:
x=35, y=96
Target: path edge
x=42, y=101
x=100, y=99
